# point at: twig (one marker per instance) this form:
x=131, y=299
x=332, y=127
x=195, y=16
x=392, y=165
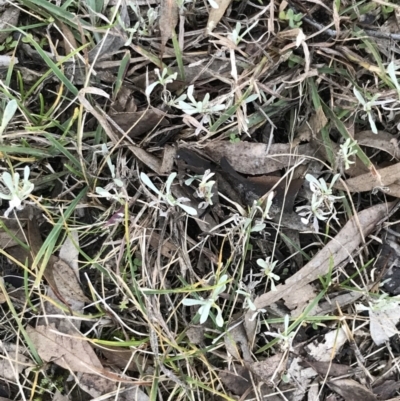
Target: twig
x=332, y=32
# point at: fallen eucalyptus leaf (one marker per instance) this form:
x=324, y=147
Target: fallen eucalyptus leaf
x=336, y=250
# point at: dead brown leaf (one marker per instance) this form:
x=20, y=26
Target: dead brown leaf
x=202, y=70
x=140, y=122
x=382, y=141
x=94, y=385
x=351, y=390
x=168, y=159
x=328, y=368
x=387, y=389
x=8, y=18
x=216, y=14
x=69, y=41
x=310, y=128
x=59, y=397
x=168, y=20
x=335, y=251
x=325, y=350
x=368, y=182
x=69, y=252
x=13, y=228
x=122, y=358
x=237, y=380
x=196, y=334
x=70, y=352
x=67, y=283
x=268, y=367
x=59, y=282
x=12, y=363
x=237, y=343
x=149, y=160
x=168, y=249
x=124, y=101
x=258, y=158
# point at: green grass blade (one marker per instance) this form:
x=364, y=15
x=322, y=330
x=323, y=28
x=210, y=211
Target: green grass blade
x=47, y=9
x=62, y=149
x=343, y=131
x=121, y=73
x=47, y=249
x=230, y=112
x=53, y=66
x=178, y=55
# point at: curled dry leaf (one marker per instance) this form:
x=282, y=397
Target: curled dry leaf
x=124, y=102
x=66, y=285
x=59, y=275
x=149, y=160
x=336, y=250
x=100, y=115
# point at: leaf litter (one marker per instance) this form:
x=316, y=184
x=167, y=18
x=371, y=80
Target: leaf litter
x=211, y=205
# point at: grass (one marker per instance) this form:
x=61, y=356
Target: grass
x=145, y=266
